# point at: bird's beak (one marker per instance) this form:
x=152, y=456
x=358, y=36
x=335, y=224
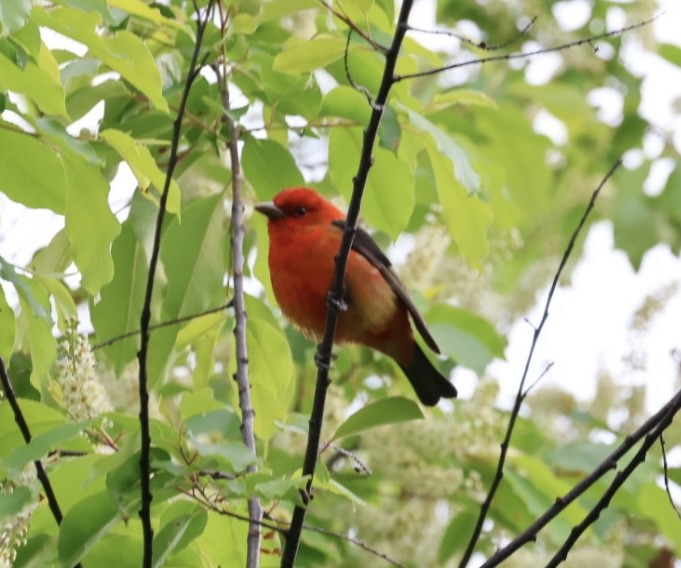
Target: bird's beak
x=269, y=209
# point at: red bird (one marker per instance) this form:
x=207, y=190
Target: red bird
x=305, y=233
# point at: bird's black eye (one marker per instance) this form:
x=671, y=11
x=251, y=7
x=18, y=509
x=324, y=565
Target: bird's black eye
x=300, y=211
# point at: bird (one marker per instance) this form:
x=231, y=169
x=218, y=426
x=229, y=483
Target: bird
x=305, y=232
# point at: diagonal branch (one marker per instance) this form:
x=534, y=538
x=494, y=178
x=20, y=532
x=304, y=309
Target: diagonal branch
x=664, y=421
x=527, y=54
x=663, y=416
x=145, y=317
x=324, y=350
x=522, y=392
x=241, y=375
x=26, y=433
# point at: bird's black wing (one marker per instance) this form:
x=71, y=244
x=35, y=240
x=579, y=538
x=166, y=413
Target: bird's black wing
x=365, y=245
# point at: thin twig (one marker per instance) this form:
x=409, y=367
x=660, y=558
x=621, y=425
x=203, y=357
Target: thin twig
x=608, y=464
x=614, y=486
x=270, y=524
x=526, y=54
x=26, y=434
x=354, y=27
x=522, y=393
x=163, y=324
x=360, y=88
x=335, y=298
x=665, y=466
x=240, y=317
x=482, y=44
x=145, y=317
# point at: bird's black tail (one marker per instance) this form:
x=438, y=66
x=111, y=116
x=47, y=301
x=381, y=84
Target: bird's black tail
x=427, y=381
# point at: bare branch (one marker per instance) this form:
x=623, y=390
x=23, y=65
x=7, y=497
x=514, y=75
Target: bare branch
x=662, y=416
x=276, y=525
x=163, y=324
x=26, y=434
x=354, y=27
x=522, y=393
x=241, y=375
x=524, y=55
x=615, y=484
x=145, y=317
x=482, y=44
x=324, y=350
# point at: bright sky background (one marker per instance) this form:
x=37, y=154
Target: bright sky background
x=588, y=325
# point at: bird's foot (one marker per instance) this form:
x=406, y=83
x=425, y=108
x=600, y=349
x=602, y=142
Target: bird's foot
x=338, y=303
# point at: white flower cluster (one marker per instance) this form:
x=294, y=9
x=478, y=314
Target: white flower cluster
x=83, y=395
x=13, y=530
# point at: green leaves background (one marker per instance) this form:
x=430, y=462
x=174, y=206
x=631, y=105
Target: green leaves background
x=459, y=167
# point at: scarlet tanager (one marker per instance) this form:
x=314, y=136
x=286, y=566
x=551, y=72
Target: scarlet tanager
x=305, y=232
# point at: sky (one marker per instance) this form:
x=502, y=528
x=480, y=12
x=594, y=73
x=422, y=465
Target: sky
x=588, y=329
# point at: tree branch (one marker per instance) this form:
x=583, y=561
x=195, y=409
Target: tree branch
x=527, y=54
x=522, y=392
x=26, y=433
x=667, y=412
x=163, y=324
x=241, y=375
x=615, y=484
x=479, y=45
x=324, y=350
x=145, y=317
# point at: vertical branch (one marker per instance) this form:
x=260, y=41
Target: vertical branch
x=335, y=298
x=145, y=317
x=522, y=393
x=241, y=375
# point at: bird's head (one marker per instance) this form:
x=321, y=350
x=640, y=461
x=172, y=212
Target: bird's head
x=299, y=206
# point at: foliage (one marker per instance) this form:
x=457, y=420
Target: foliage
x=460, y=168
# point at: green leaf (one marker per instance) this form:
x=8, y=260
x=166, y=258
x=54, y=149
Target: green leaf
x=447, y=146
x=193, y=255
x=55, y=132
x=90, y=224
x=654, y=504
x=39, y=417
x=223, y=421
x=269, y=167
x=467, y=338
x=84, y=525
x=460, y=97
x=238, y=455
x=181, y=523
x=124, y=52
x=20, y=179
x=223, y=541
x=35, y=83
x=143, y=166
x=346, y=102
x=36, y=321
x=392, y=410
x=308, y=55
x=11, y=504
x=118, y=310
x=457, y=534
x=467, y=217
x=7, y=327
x=13, y=15
x=99, y=6
x=40, y=446
x=143, y=10
x=271, y=375
x=671, y=53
